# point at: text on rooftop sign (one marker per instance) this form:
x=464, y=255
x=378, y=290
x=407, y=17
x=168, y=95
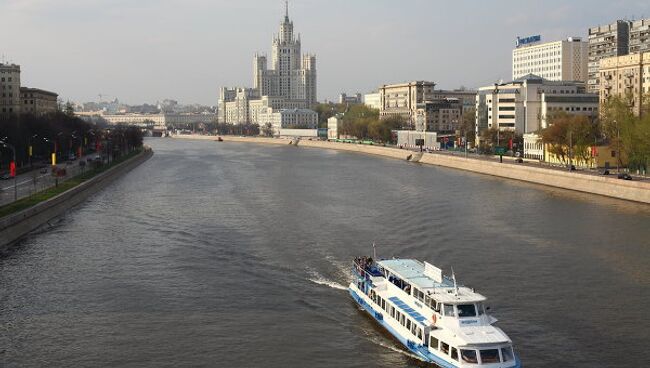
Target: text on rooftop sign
x=527, y=40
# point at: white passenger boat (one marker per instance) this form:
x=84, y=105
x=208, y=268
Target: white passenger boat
x=430, y=314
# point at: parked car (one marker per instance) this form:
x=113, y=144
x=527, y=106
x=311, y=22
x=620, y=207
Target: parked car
x=519, y=160
x=43, y=170
x=5, y=176
x=72, y=157
x=624, y=176
x=606, y=172
x=572, y=168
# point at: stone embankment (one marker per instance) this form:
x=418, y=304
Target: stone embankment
x=17, y=225
x=609, y=186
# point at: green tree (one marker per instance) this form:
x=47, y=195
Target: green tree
x=267, y=130
x=493, y=137
x=569, y=137
x=467, y=127
x=69, y=109
x=326, y=111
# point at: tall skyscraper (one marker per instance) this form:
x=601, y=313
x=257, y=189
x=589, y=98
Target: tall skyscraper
x=281, y=95
x=293, y=75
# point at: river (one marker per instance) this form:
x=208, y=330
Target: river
x=224, y=254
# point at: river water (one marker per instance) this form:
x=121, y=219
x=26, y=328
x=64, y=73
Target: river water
x=237, y=255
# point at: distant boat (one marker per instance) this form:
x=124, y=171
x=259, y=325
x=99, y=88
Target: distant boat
x=433, y=317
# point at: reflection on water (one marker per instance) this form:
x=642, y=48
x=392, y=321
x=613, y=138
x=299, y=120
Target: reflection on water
x=238, y=255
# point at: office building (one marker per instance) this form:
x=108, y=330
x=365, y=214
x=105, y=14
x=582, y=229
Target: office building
x=37, y=101
x=372, y=100
x=564, y=60
x=350, y=100
x=10, y=88
x=524, y=105
x=442, y=115
x=405, y=99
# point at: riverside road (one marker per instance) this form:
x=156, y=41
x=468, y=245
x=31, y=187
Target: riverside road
x=238, y=255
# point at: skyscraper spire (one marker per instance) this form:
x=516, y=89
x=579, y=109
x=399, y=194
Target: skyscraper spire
x=286, y=10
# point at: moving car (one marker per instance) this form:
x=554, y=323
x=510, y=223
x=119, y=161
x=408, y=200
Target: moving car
x=624, y=176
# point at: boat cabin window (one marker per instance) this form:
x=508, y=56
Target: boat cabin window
x=431, y=303
x=454, y=354
x=419, y=295
x=507, y=354
x=449, y=310
x=419, y=334
x=408, y=324
x=481, y=309
x=469, y=356
x=490, y=356
x=444, y=347
x=433, y=343
x=466, y=310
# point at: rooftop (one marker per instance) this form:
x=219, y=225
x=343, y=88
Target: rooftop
x=430, y=280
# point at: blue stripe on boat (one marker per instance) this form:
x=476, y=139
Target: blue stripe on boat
x=410, y=311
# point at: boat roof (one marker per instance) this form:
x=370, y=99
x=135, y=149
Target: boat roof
x=481, y=335
x=413, y=272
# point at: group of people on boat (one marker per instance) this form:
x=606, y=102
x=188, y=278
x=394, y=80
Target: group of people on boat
x=363, y=264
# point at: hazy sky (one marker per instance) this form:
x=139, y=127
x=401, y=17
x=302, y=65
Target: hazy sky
x=148, y=50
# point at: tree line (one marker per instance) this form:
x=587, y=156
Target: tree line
x=61, y=133
x=569, y=137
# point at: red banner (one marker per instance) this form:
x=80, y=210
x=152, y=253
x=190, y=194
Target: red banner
x=510, y=143
x=12, y=169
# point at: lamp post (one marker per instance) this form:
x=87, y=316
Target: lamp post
x=570, y=148
x=618, y=146
x=30, y=149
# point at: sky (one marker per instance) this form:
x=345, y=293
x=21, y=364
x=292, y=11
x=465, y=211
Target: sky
x=149, y=50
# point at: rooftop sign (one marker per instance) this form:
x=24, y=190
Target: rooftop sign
x=528, y=40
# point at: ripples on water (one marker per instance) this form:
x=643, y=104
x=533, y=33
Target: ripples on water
x=234, y=255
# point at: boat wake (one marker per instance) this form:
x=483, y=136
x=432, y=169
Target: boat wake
x=321, y=280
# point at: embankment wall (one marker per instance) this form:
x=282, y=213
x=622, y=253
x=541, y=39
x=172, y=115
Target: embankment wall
x=609, y=186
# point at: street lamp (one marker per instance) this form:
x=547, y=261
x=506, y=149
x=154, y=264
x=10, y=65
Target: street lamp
x=618, y=146
x=30, y=149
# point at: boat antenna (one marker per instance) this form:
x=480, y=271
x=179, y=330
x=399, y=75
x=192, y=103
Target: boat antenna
x=453, y=277
x=374, y=251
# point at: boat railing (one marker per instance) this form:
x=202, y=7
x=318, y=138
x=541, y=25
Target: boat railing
x=370, y=275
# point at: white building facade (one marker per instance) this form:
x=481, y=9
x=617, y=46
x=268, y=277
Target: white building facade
x=564, y=60
x=372, y=100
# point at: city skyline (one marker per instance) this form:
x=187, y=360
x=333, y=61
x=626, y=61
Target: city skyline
x=141, y=53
